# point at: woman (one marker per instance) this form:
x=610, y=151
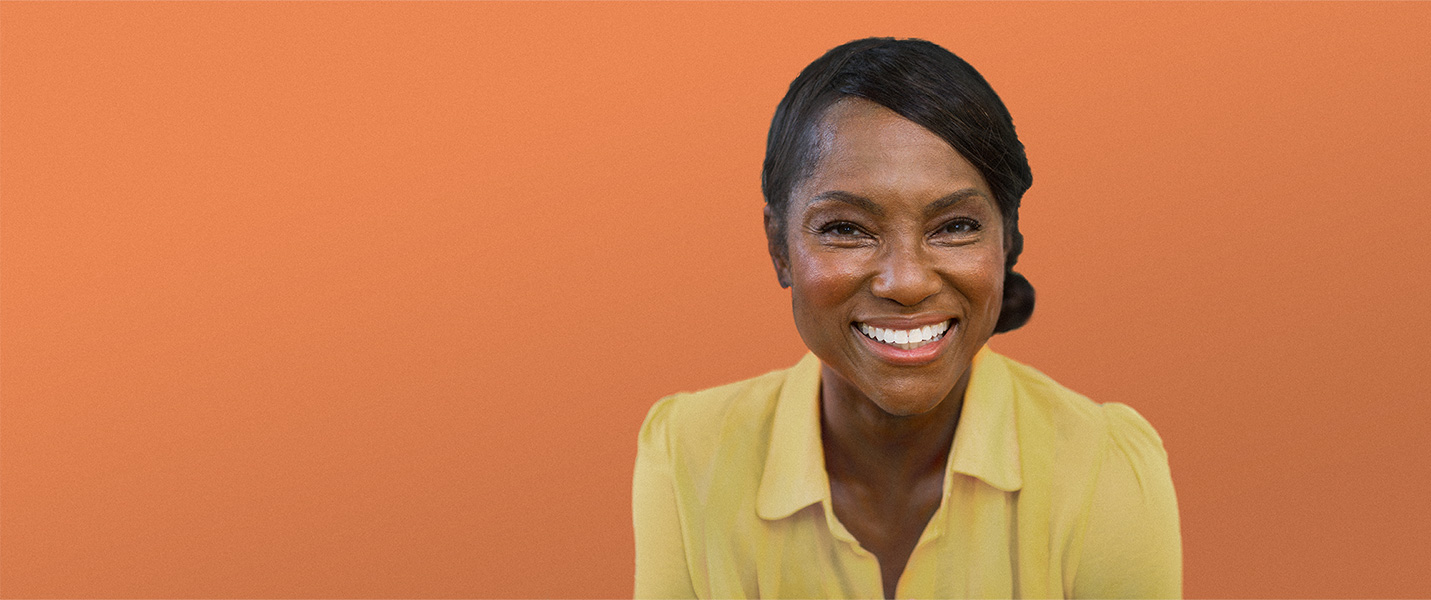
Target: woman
x=901, y=457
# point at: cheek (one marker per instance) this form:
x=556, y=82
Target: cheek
x=821, y=284
x=982, y=282
x=989, y=279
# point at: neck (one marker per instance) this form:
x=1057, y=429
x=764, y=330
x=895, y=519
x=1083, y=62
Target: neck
x=864, y=443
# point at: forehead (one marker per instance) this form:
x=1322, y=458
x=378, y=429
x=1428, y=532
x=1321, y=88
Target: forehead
x=866, y=149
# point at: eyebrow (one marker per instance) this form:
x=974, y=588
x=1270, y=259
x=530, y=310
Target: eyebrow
x=870, y=206
x=855, y=199
x=951, y=200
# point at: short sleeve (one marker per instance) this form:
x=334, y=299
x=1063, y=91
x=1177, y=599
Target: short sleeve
x=1132, y=547
x=661, y=570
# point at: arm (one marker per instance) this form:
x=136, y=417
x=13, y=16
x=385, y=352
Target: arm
x=661, y=570
x=1131, y=546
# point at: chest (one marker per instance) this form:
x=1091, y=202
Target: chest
x=962, y=546
x=887, y=521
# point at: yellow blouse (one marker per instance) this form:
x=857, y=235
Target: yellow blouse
x=1047, y=494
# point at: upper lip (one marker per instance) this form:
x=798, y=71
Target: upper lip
x=910, y=322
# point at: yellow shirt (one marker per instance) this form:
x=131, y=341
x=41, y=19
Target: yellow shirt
x=1046, y=494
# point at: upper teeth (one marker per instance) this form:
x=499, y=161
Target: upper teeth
x=906, y=338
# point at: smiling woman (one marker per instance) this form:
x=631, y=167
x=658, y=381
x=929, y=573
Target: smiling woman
x=901, y=457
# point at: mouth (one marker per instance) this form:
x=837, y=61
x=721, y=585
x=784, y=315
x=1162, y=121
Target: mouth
x=905, y=339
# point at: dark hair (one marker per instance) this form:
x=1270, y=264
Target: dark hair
x=935, y=89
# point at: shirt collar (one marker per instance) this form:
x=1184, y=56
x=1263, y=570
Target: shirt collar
x=985, y=443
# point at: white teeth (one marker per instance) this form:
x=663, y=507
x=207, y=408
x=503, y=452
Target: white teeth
x=906, y=339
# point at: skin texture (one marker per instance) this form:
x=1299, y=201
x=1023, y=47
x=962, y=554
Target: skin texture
x=893, y=226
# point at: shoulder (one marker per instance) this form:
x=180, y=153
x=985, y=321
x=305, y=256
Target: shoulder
x=694, y=412
x=1077, y=419
x=1039, y=392
x=1079, y=445
x=693, y=425
x=1105, y=473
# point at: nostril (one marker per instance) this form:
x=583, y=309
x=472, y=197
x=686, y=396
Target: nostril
x=906, y=282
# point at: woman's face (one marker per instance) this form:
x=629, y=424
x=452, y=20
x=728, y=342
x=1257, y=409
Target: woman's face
x=894, y=251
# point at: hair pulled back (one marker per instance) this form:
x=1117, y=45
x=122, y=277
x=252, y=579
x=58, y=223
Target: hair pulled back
x=935, y=89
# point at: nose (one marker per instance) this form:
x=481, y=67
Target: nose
x=905, y=275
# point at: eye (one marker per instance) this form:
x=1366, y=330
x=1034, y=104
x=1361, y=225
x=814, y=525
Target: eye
x=960, y=227
x=843, y=234
x=841, y=228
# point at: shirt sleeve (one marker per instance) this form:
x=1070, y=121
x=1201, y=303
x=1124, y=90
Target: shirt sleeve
x=661, y=570
x=1132, y=547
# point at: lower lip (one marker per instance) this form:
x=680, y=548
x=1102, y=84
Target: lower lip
x=914, y=356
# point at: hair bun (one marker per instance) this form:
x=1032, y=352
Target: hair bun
x=1018, y=303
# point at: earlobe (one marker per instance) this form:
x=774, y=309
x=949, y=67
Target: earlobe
x=782, y=275
x=779, y=253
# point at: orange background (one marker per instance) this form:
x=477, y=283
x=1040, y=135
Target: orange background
x=369, y=300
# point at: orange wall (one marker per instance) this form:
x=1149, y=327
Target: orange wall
x=368, y=300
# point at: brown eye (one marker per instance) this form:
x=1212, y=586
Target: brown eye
x=841, y=228
x=960, y=227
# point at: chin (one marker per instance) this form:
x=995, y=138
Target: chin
x=909, y=404
x=906, y=410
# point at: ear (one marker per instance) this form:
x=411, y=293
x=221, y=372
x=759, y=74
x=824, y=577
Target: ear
x=1013, y=243
x=779, y=248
